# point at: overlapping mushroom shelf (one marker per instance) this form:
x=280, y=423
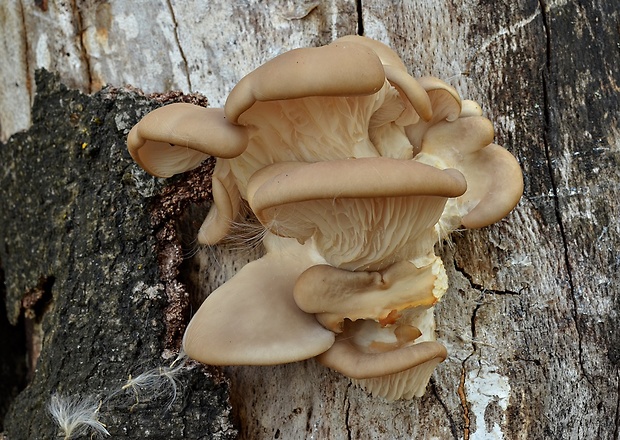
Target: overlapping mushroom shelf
x=355, y=170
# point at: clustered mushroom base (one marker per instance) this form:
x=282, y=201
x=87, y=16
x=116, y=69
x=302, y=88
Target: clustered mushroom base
x=356, y=170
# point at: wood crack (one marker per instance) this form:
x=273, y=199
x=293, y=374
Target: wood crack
x=178, y=41
x=461, y=388
x=83, y=51
x=464, y=404
x=360, y=17
x=347, y=409
x=29, y=85
x=481, y=288
x=453, y=428
x=548, y=123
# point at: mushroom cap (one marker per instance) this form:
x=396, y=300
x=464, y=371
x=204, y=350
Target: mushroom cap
x=445, y=103
x=335, y=294
x=178, y=137
x=470, y=108
x=498, y=193
x=350, y=361
x=393, y=361
x=494, y=178
x=361, y=214
x=395, y=71
x=445, y=100
x=340, y=69
x=253, y=320
x=285, y=183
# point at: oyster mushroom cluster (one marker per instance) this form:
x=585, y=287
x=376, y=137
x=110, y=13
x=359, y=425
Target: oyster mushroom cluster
x=356, y=170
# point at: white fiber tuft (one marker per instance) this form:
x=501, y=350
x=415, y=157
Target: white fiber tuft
x=76, y=416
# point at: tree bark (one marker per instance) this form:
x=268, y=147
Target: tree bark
x=91, y=260
x=530, y=319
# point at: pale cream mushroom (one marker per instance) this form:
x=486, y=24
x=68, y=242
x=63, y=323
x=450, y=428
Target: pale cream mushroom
x=384, y=321
x=178, y=137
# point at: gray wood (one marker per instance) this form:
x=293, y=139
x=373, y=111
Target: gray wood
x=531, y=317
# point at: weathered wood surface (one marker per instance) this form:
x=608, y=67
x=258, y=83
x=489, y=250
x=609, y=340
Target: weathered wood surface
x=531, y=318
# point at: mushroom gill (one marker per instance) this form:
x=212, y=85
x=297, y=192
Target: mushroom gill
x=356, y=170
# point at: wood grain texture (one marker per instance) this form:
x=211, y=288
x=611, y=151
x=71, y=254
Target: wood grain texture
x=156, y=45
x=531, y=317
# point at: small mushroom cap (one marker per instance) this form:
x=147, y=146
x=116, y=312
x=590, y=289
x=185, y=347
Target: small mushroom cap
x=178, y=137
x=225, y=207
x=494, y=177
x=335, y=294
x=403, y=385
x=350, y=361
x=335, y=70
x=499, y=192
x=445, y=100
x=445, y=103
x=253, y=320
x=470, y=108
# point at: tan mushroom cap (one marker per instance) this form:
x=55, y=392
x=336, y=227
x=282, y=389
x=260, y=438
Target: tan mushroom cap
x=253, y=320
x=494, y=178
x=178, y=137
x=334, y=70
x=348, y=360
x=445, y=100
x=403, y=385
x=335, y=295
x=498, y=192
x=225, y=207
x=397, y=75
x=470, y=108
x=445, y=103
x=285, y=183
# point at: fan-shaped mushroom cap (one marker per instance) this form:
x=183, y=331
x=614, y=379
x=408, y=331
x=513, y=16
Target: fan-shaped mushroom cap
x=445, y=103
x=177, y=137
x=494, y=178
x=361, y=213
x=396, y=374
x=335, y=295
x=287, y=182
x=445, y=100
x=253, y=320
x=396, y=72
x=334, y=70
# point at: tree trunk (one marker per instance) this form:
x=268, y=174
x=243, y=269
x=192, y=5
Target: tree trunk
x=531, y=317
